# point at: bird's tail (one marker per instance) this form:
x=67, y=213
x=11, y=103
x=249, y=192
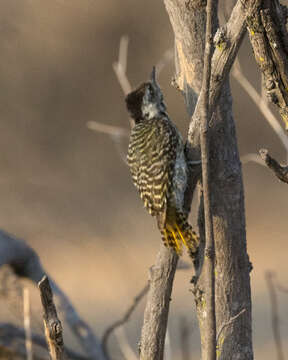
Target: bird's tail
x=177, y=231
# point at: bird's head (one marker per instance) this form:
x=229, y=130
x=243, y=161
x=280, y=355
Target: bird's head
x=146, y=102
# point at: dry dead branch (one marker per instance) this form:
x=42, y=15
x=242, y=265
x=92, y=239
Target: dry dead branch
x=260, y=102
x=281, y=171
x=123, y=320
x=269, y=39
x=25, y=263
x=13, y=338
x=206, y=114
x=52, y=325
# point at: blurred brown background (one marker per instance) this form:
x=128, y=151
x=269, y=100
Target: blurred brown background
x=64, y=188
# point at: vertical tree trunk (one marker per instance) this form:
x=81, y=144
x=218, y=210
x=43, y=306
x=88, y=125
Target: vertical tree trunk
x=232, y=263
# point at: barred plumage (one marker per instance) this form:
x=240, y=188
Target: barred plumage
x=157, y=164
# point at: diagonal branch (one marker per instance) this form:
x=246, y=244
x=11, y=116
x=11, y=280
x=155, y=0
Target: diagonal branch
x=260, y=103
x=281, y=171
x=268, y=36
x=120, y=66
x=228, y=40
x=123, y=320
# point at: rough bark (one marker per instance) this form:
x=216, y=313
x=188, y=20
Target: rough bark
x=52, y=324
x=162, y=273
x=209, y=258
x=269, y=39
x=281, y=171
x=232, y=264
x=157, y=308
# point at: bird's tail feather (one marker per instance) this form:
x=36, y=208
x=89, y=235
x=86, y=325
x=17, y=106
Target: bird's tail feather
x=179, y=232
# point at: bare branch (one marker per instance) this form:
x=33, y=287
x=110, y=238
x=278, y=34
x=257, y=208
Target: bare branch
x=157, y=306
x=227, y=46
x=280, y=171
x=260, y=103
x=188, y=22
x=251, y=157
x=9, y=333
x=126, y=349
x=123, y=320
x=27, y=325
x=274, y=315
x=26, y=263
x=120, y=66
x=208, y=267
x=113, y=131
x=268, y=37
x=52, y=325
x=116, y=133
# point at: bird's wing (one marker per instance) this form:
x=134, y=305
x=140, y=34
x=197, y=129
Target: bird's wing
x=151, y=158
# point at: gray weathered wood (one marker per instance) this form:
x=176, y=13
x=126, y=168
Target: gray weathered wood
x=52, y=324
x=157, y=307
x=281, y=171
x=232, y=263
x=209, y=258
x=269, y=39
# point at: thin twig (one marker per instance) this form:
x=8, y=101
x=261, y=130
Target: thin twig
x=123, y=320
x=113, y=131
x=280, y=171
x=120, y=66
x=52, y=325
x=251, y=157
x=229, y=322
x=126, y=349
x=27, y=324
x=260, y=103
x=116, y=133
x=209, y=234
x=274, y=315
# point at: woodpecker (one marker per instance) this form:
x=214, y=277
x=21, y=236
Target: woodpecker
x=157, y=164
